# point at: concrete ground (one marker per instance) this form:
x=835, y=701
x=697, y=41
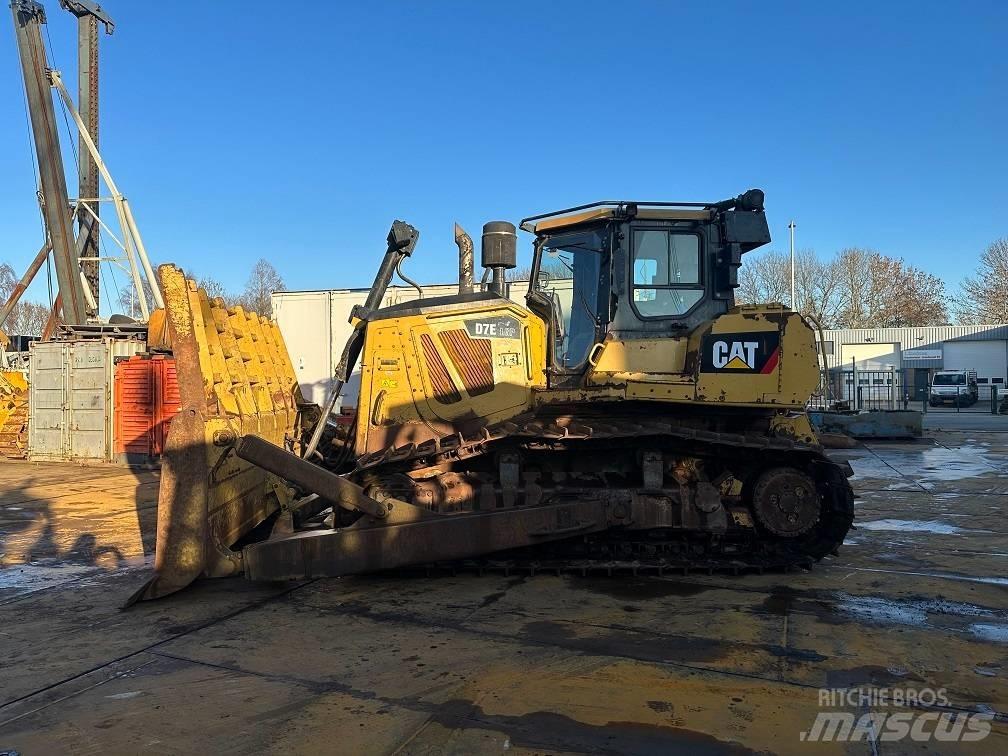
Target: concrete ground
x=947, y=419
x=917, y=599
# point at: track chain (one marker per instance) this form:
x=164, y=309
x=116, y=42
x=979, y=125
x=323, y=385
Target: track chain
x=670, y=551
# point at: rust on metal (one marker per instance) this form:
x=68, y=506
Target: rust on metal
x=441, y=381
x=233, y=381
x=473, y=358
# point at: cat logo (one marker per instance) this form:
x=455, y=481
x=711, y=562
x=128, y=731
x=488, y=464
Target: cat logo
x=735, y=355
x=757, y=352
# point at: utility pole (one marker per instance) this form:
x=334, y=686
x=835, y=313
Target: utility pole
x=89, y=15
x=791, y=227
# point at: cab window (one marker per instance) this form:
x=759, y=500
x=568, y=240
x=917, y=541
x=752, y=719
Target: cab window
x=667, y=277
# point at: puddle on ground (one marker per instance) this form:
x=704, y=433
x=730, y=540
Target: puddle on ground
x=653, y=646
x=637, y=645
x=917, y=526
x=923, y=613
x=880, y=610
x=942, y=575
x=941, y=464
x=20, y=579
x=998, y=633
x=908, y=469
x=839, y=607
x=868, y=675
x=25, y=578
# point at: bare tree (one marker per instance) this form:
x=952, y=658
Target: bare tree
x=27, y=318
x=546, y=269
x=129, y=303
x=857, y=288
x=766, y=277
x=818, y=287
x=215, y=289
x=885, y=292
x=32, y=318
x=921, y=299
x=262, y=282
x=983, y=297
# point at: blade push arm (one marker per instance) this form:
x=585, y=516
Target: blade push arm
x=402, y=239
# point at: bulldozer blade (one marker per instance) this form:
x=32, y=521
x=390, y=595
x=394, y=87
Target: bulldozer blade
x=418, y=537
x=235, y=379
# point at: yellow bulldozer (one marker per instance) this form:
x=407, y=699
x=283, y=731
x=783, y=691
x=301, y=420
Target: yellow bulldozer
x=629, y=417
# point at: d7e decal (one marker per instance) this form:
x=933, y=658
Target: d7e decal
x=499, y=327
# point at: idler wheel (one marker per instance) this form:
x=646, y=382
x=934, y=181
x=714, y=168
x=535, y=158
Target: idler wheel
x=786, y=502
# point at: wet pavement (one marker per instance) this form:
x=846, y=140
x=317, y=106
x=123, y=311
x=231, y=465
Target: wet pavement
x=917, y=600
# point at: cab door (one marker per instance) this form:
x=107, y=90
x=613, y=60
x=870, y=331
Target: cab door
x=570, y=292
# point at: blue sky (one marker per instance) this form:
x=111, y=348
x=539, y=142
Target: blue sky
x=297, y=132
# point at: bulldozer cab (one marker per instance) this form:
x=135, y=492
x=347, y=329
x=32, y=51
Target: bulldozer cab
x=636, y=270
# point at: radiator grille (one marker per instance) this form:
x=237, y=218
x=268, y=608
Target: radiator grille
x=444, y=389
x=473, y=359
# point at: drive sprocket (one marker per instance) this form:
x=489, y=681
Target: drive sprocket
x=786, y=501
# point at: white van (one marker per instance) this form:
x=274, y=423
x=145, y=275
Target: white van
x=957, y=387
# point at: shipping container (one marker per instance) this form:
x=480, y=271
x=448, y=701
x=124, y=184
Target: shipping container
x=70, y=408
x=146, y=399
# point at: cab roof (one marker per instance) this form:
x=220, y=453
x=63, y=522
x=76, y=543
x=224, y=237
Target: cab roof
x=751, y=200
x=551, y=225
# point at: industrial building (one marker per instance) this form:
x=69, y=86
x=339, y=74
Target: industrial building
x=912, y=355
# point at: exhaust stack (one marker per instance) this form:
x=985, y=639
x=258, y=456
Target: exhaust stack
x=466, y=260
x=500, y=251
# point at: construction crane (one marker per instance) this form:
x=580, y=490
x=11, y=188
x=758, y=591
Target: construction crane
x=89, y=16
x=75, y=303
x=76, y=258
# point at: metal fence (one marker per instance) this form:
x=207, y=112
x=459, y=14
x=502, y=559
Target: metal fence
x=844, y=390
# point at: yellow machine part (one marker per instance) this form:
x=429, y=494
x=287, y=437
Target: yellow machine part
x=13, y=413
x=235, y=377
x=670, y=368
x=432, y=374
x=427, y=375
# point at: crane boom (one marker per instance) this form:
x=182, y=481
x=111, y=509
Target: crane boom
x=28, y=17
